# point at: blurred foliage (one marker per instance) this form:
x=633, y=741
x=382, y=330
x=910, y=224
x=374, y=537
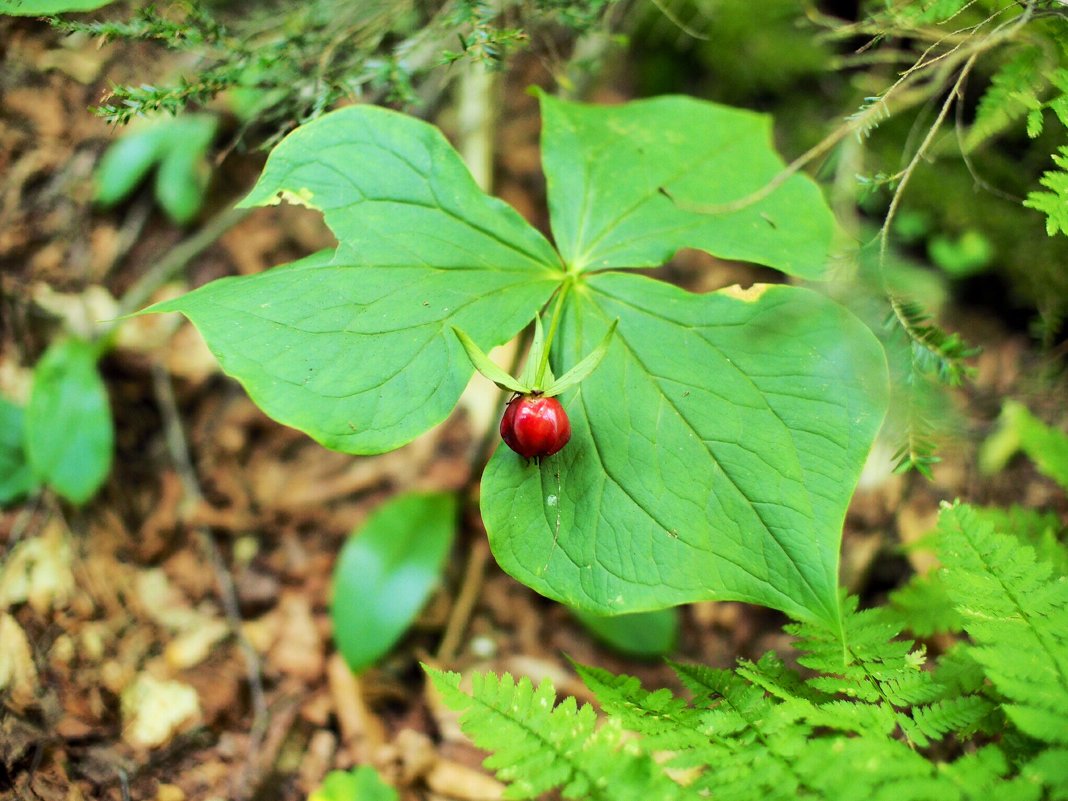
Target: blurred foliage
x=887, y=67
x=936, y=126
x=287, y=62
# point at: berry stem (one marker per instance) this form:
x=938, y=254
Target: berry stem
x=540, y=376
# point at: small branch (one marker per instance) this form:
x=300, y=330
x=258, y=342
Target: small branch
x=465, y=602
x=175, y=260
x=954, y=95
x=179, y=452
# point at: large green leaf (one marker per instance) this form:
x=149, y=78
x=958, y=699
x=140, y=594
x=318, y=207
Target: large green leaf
x=628, y=185
x=69, y=433
x=356, y=347
x=41, y=8
x=386, y=571
x=713, y=452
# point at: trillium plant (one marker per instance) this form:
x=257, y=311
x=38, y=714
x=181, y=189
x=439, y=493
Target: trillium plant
x=694, y=446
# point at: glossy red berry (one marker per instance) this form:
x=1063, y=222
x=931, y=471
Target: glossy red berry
x=535, y=426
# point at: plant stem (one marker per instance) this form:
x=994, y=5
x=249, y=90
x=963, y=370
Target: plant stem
x=540, y=376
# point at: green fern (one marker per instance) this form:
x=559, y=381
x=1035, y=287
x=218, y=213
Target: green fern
x=1054, y=204
x=1016, y=611
x=540, y=746
x=866, y=717
x=1012, y=94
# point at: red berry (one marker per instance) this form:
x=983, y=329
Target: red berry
x=534, y=426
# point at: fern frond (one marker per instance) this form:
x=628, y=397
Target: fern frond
x=666, y=722
x=1047, y=447
x=961, y=715
x=540, y=745
x=1043, y=531
x=983, y=774
x=1054, y=204
x=1049, y=769
x=1017, y=614
x=925, y=607
x=1012, y=93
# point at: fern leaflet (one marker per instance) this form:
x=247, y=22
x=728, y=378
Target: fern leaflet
x=1016, y=611
x=1054, y=204
x=540, y=746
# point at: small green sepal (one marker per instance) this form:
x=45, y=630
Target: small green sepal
x=486, y=366
x=581, y=370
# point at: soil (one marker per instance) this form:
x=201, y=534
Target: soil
x=178, y=633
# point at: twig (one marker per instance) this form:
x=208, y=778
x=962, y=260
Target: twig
x=673, y=18
x=857, y=124
x=178, y=257
x=465, y=602
x=179, y=451
x=954, y=96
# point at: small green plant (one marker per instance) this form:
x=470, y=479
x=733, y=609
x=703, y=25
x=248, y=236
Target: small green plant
x=359, y=784
x=177, y=148
x=64, y=437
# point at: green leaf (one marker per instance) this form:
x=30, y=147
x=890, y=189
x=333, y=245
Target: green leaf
x=386, y=571
x=183, y=171
x=581, y=370
x=485, y=365
x=179, y=146
x=362, y=783
x=69, y=433
x=41, y=8
x=625, y=183
x=16, y=478
x=355, y=347
x=126, y=162
x=713, y=452
x=644, y=634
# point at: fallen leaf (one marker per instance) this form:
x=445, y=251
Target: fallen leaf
x=18, y=674
x=38, y=570
x=153, y=711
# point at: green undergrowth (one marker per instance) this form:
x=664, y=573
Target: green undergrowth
x=867, y=713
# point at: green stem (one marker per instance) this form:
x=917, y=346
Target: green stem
x=540, y=376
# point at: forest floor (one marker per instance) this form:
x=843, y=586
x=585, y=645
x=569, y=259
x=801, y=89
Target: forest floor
x=179, y=632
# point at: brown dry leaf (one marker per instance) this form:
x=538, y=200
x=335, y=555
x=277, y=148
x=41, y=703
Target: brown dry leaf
x=85, y=314
x=458, y=781
x=186, y=354
x=252, y=243
x=318, y=759
x=38, y=570
x=147, y=332
x=78, y=57
x=18, y=674
x=360, y=727
x=161, y=602
x=194, y=645
x=153, y=710
x=44, y=110
x=15, y=379
x=298, y=651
